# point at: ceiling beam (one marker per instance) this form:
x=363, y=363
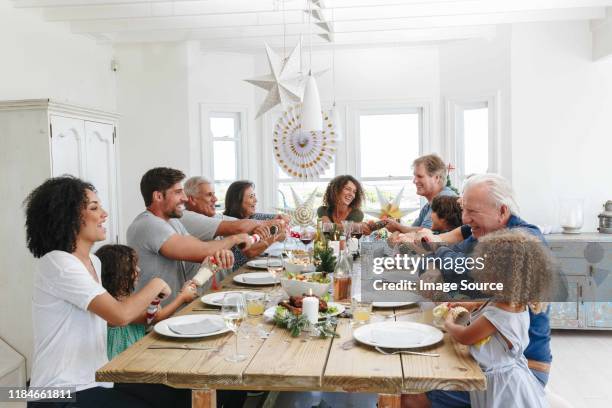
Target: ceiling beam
x=373, y=22
x=159, y=10
x=255, y=44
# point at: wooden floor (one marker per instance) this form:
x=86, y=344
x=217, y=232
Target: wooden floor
x=582, y=368
x=581, y=374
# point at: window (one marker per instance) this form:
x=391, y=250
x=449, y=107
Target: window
x=225, y=134
x=302, y=188
x=472, y=137
x=387, y=144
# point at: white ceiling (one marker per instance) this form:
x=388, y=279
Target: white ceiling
x=245, y=24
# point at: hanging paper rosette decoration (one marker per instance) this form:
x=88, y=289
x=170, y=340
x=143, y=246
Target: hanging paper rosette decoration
x=303, y=155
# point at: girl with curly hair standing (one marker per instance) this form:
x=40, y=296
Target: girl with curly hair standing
x=498, y=330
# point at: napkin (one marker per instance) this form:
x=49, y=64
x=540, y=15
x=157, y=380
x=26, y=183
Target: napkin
x=257, y=279
x=204, y=326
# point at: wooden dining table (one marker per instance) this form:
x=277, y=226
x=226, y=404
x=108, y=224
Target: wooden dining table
x=279, y=362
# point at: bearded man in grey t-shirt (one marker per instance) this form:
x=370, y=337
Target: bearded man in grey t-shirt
x=165, y=248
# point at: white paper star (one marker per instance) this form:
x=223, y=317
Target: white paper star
x=389, y=209
x=284, y=83
x=303, y=214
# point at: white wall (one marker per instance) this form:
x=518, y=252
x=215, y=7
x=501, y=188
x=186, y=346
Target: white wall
x=154, y=129
x=480, y=68
x=37, y=60
x=561, y=120
x=43, y=60
x=216, y=81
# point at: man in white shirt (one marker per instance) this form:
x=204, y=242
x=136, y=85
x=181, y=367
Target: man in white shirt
x=165, y=248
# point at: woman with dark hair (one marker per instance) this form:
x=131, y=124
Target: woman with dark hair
x=70, y=307
x=342, y=201
x=241, y=203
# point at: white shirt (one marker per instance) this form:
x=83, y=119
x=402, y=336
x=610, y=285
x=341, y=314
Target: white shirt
x=69, y=340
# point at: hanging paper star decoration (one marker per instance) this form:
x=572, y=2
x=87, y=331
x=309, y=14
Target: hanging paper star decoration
x=303, y=214
x=390, y=209
x=284, y=83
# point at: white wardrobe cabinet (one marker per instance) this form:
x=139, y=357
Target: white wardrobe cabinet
x=41, y=139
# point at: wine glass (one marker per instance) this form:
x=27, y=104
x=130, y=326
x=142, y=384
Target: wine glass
x=306, y=236
x=357, y=232
x=328, y=229
x=275, y=265
x=233, y=311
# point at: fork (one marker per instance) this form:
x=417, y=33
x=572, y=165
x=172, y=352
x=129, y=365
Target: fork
x=414, y=353
x=180, y=347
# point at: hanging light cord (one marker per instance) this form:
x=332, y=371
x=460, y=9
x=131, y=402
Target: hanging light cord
x=333, y=58
x=284, y=33
x=310, y=34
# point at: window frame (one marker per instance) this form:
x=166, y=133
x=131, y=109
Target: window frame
x=426, y=141
x=208, y=111
x=455, y=137
x=347, y=151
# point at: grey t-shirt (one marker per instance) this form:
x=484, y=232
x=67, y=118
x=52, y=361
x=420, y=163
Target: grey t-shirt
x=199, y=225
x=146, y=235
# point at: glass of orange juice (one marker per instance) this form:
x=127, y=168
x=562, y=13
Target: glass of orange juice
x=255, y=303
x=361, y=312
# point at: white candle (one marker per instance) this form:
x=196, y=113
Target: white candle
x=310, y=308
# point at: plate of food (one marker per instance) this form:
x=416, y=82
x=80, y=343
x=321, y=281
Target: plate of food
x=294, y=305
x=298, y=284
x=299, y=262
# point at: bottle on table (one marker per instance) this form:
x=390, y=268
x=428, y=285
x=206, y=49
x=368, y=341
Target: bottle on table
x=342, y=274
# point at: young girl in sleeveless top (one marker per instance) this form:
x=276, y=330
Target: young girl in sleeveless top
x=119, y=275
x=498, y=330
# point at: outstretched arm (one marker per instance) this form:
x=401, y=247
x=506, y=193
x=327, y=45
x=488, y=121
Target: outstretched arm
x=188, y=248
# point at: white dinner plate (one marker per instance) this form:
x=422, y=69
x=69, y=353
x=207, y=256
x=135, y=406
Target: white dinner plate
x=162, y=327
x=262, y=263
x=256, y=278
x=398, y=335
x=216, y=298
x=269, y=313
x=384, y=305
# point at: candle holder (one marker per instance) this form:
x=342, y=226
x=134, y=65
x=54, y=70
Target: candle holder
x=571, y=215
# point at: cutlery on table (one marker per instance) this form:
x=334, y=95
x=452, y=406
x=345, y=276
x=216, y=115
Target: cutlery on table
x=402, y=313
x=414, y=353
x=180, y=347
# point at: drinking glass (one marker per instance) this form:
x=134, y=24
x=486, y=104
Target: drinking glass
x=233, y=311
x=361, y=312
x=275, y=265
x=347, y=228
x=255, y=303
x=306, y=236
x=328, y=229
x=357, y=232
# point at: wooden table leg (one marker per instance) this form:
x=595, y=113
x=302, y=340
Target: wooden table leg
x=389, y=400
x=203, y=399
